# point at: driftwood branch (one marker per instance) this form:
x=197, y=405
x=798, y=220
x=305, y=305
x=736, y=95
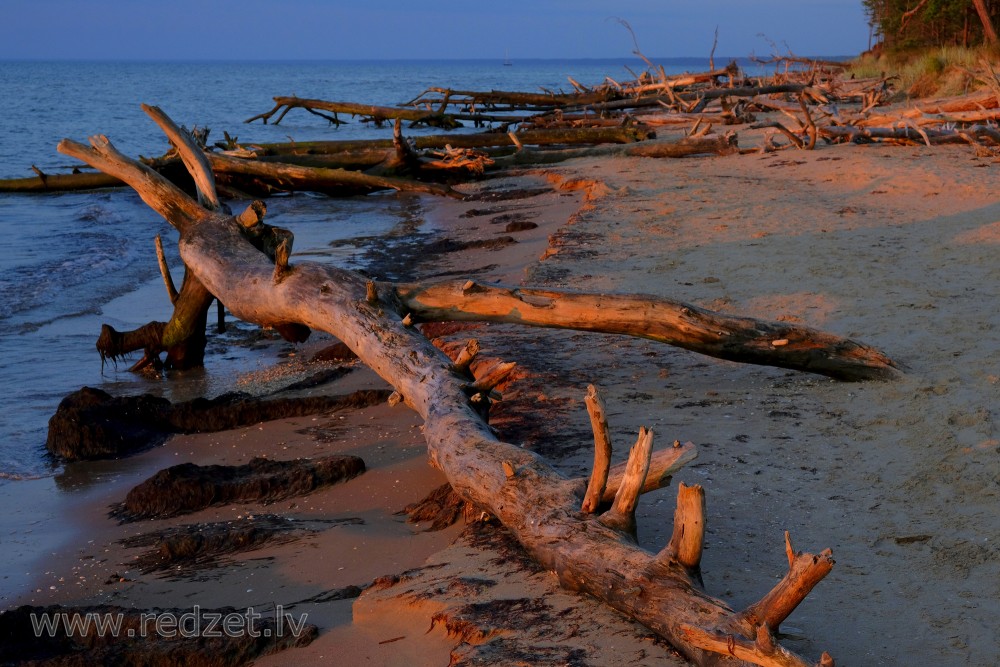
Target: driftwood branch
x=320, y=179
x=602, y=451
x=729, y=337
x=375, y=113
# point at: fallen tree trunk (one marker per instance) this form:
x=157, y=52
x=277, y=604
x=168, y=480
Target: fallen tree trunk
x=910, y=135
x=719, y=144
x=375, y=113
x=593, y=553
x=701, y=96
x=729, y=337
x=319, y=179
x=542, y=137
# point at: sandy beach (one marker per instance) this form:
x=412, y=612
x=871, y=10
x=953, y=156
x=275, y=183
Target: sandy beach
x=892, y=246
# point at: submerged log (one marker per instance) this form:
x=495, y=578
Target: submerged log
x=532, y=499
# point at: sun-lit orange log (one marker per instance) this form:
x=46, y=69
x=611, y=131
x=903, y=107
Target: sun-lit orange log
x=731, y=337
x=538, y=504
x=975, y=101
x=730, y=71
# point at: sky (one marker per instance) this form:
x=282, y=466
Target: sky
x=410, y=29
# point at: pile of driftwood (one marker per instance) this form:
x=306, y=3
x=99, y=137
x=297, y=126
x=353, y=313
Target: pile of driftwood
x=805, y=101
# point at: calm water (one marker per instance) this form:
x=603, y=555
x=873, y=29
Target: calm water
x=73, y=261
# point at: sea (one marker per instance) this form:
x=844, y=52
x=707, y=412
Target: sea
x=72, y=261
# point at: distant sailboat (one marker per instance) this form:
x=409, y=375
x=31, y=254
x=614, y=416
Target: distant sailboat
x=506, y=58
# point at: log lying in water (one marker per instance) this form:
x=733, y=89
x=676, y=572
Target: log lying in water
x=59, y=182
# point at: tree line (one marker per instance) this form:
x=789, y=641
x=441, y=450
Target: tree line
x=909, y=24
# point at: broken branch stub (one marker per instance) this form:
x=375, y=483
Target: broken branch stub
x=621, y=516
x=688, y=539
x=602, y=451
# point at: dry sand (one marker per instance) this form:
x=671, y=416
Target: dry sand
x=894, y=246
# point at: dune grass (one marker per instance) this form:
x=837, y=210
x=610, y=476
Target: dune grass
x=940, y=72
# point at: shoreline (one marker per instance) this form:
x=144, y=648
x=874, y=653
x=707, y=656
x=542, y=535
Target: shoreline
x=893, y=246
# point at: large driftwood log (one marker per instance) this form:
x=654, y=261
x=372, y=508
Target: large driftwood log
x=592, y=553
x=730, y=337
x=616, y=135
x=716, y=144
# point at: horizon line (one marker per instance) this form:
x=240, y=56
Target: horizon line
x=630, y=58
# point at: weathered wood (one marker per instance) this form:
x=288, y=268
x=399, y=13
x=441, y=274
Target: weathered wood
x=677, y=323
x=534, y=501
x=367, y=150
x=909, y=134
x=804, y=572
x=663, y=464
x=685, y=80
x=920, y=118
x=719, y=144
x=168, y=281
x=42, y=182
x=688, y=539
x=695, y=96
x=602, y=451
x=376, y=113
x=319, y=179
x=517, y=100
x=621, y=516
x=981, y=99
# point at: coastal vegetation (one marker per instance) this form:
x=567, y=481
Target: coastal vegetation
x=905, y=25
